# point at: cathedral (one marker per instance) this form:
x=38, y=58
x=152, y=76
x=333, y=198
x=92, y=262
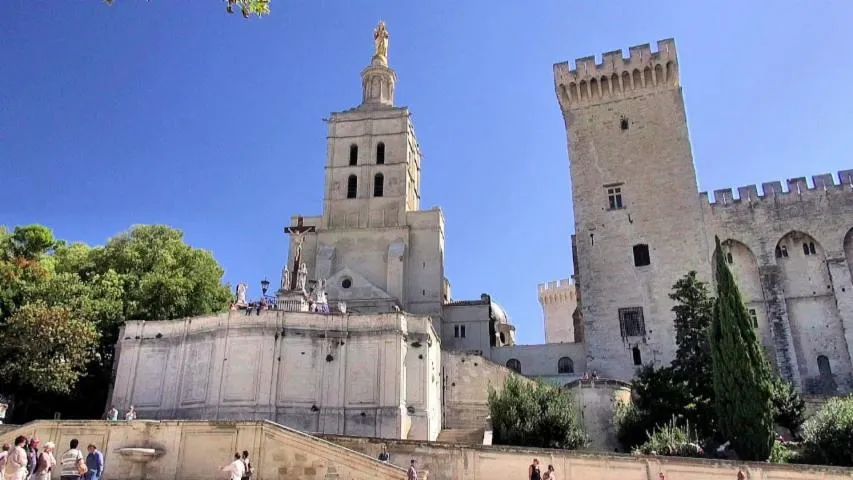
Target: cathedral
x=363, y=337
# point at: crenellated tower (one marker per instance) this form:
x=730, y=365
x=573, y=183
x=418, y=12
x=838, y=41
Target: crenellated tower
x=638, y=221
x=558, y=301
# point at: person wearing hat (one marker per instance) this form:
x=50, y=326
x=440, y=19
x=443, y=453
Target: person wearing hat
x=32, y=456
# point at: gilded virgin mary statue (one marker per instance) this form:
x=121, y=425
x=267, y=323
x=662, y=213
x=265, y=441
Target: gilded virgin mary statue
x=380, y=41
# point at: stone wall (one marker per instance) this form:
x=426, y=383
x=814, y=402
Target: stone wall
x=340, y=374
x=452, y=462
x=466, y=380
x=543, y=361
x=594, y=400
x=189, y=450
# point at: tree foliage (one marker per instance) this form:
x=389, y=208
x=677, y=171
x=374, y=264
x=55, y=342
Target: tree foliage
x=534, y=414
x=659, y=397
x=147, y=273
x=672, y=439
x=246, y=7
x=788, y=405
x=47, y=347
x=742, y=379
x=828, y=435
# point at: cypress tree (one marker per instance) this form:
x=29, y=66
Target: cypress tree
x=742, y=379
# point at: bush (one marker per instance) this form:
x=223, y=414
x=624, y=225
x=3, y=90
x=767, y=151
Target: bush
x=782, y=453
x=672, y=440
x=788, y=406
x=828, y=435
x=534, y=414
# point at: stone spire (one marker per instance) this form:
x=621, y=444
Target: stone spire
x=377, y=80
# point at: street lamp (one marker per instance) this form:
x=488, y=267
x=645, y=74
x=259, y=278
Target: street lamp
x=265, y=284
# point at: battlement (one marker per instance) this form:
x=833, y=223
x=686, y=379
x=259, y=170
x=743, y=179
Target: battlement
x=798, y=189
x=557, y=291
x=616, y=76
x=556, y=284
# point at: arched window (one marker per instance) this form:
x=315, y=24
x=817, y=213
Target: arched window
x=513, y=364
x=565, y=365
x=352, y=186
x=729, y=257
x=380, y=155
x=638, y=358
x=353, y=154
x=641, y=255
x=378, y=185
x=823, y=366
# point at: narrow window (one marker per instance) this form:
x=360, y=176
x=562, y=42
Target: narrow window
x=754, y=316
x=623, y=124
x=806, y=248
x=811, y=248
x=514, y=365
x=823, y=366
x=456, y=331
x=378, y=185
x=781, y=251
x=784, y=251
x=462, y=331
x=565, y=365
x=614, y=197
x=729, y=257
x=778, y=252
x=380, y=154
x=352, y=186
x=641, y=255
x=638, y=358
x=631, y=322
x=353, y=154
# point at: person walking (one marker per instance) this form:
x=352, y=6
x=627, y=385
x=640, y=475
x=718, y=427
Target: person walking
x=533, y=471
x=45, y=462
x=94, y=463
x=32, y=456
x=72, y=464
x=412, y=474
x=235, y=469
x=248, y=469
x=16, y=461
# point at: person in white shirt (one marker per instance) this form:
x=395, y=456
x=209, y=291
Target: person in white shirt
x=131, y=414
x=70, y=462
x=236, y=468
x=16, y=461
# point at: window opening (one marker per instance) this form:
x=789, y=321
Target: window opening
x=346, y=283
x=781, y=251
x=631, y=322
x=513, y=364
x=380, y=154
x=456, y=331
x=754, y=316
x=614, y=198
x=729, y=257
x=823, y=366
x=641, y=255
x=623, y=124
x=565, y=365
x=638, y=357
x=353, y=154
x=352, y=186
x=462, y=331
x=378, y=185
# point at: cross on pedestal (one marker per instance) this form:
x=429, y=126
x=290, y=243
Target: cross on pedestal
x=298, y=235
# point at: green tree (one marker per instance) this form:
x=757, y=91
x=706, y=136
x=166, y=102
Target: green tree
x=692, y=364
x=742, y=379
x=247, y=7
x=46, y=348
x=828, y=435
x=788, y=406
x=534, y=414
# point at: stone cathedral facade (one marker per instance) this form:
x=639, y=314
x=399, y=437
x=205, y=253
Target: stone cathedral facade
x=641, y=223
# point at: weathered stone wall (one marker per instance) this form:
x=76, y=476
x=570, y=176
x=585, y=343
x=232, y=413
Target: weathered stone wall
x=594, y=400
x=466, y=326
x=375, y=375
x=466, y=380
x=189, y=450
x=790, y=251
x=543, y=361
x=452, y=462
x=558, y=301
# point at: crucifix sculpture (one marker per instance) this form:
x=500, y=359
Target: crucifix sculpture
x=297, y=233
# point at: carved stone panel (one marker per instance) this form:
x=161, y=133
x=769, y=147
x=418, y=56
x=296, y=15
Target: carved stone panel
x=150, y=375
x=362, y=374
x=241, y=370
x=299, y=372
x=196, y=373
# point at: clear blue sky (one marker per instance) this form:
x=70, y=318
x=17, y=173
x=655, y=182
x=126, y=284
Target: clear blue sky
x=173, y=112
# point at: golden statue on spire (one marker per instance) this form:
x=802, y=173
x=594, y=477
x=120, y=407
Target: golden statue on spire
x=380, y=41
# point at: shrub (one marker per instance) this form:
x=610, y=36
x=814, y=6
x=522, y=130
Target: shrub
x=788, y=405
x=828, y=435
x=672, y=440
x=534, y=414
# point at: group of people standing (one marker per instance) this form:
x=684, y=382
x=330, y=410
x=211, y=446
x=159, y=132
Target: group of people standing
x=25, y=461
x=241, y=468
x=113, y=413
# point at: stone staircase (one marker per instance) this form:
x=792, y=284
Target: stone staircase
x=466, y=436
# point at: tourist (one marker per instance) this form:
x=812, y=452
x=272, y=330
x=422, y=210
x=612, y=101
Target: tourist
x=550, y=474
x=248, y=469
x=16, y=460
x=32, y=456
x=383, y=455
x=412, y=474
x=72, y=465
x=131, y=414
x=45, y=462
x=112, y=414
x=235, y=469
x=94, y=463
x=533, y=471
x=3, y=456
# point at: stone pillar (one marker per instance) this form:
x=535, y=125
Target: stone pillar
x=842, y=286
x=777, y=316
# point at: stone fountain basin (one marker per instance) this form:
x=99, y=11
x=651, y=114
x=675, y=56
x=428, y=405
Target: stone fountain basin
x=139, y=454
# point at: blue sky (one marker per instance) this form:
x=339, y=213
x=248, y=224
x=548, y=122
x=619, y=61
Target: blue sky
x=174, y=112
